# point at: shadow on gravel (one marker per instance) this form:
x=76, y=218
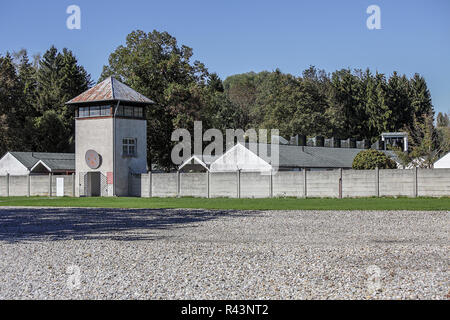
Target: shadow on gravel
x=33, y=224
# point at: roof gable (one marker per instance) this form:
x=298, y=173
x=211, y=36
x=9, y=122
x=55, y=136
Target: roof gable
x=193, y=161
x=55, y=161
x=443, y=162
x=10, y=164
x=240, y=158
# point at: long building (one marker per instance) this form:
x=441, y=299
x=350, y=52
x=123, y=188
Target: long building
x=258, y=157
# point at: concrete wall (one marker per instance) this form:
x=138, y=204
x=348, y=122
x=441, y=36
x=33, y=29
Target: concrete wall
x=397, y=182
x=194, y=185
x=423, y=182
x=288, y=184
x=355, y=183
x=3, y=192
x=18, y=185
x=145, y=185
x=433, y=182
x=359, y=183
x=322, y=184
x=164, y=185
x=223, y=184
x=68, y=185
x=255, y=185
x=39, y=185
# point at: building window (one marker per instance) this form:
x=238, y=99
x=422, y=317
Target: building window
x=128, y=111
x=105, y=110
x=84, y=112
x=129, y=147
x=138, y=112
x=94, y=111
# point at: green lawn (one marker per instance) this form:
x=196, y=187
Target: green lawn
x=238, y=204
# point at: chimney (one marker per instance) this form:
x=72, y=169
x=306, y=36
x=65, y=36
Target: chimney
x=301, y=140
x=366, y=143
x=293, y=141
x=335, y=143
x=319, y=141
x=298, y=140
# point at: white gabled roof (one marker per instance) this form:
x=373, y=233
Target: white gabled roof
x=193, y=160
x=240, y=158
x=42, y=163
x=443, y=162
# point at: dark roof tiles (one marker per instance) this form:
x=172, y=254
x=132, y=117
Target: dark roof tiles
x=110, y=89
x=55, y=161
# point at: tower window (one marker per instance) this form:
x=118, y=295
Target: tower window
x=105, y=110
x=129, y=147
x=128, y=111
x=94, y=111
x=138, y=112
x=84, y=112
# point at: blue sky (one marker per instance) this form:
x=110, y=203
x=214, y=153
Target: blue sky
x=239, y=36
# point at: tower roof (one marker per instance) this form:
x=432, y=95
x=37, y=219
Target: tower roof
x=110, y=89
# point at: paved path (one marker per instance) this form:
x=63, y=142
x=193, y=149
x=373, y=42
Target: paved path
x=200, y=254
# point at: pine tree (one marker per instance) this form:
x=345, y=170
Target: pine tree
x=420, y=97
x=11, y=101
x=49, y=82
x=442, y=120
x=59, y=78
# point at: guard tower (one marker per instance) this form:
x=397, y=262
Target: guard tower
x=110, y=138
x=395, y=139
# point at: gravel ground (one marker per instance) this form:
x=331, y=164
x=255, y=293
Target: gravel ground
x=201, y=254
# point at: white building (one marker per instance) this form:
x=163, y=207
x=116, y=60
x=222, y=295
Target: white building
x=443, y=162
x=257, y=157
x=24, y=163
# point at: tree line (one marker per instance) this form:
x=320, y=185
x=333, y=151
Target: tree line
x=33, y=114
x=344, y=103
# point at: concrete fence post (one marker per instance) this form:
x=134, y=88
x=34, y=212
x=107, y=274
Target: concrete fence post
x=340, y=183
x=7, y=184
x=208, y=183
x=377, y=182
x=50, y=184
x=73, y=184
x=150, y=184
x=305, y=192
x=178, y=184
x=238, y=177
x=415, y=187
x=271, y=183
x=28, y=185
